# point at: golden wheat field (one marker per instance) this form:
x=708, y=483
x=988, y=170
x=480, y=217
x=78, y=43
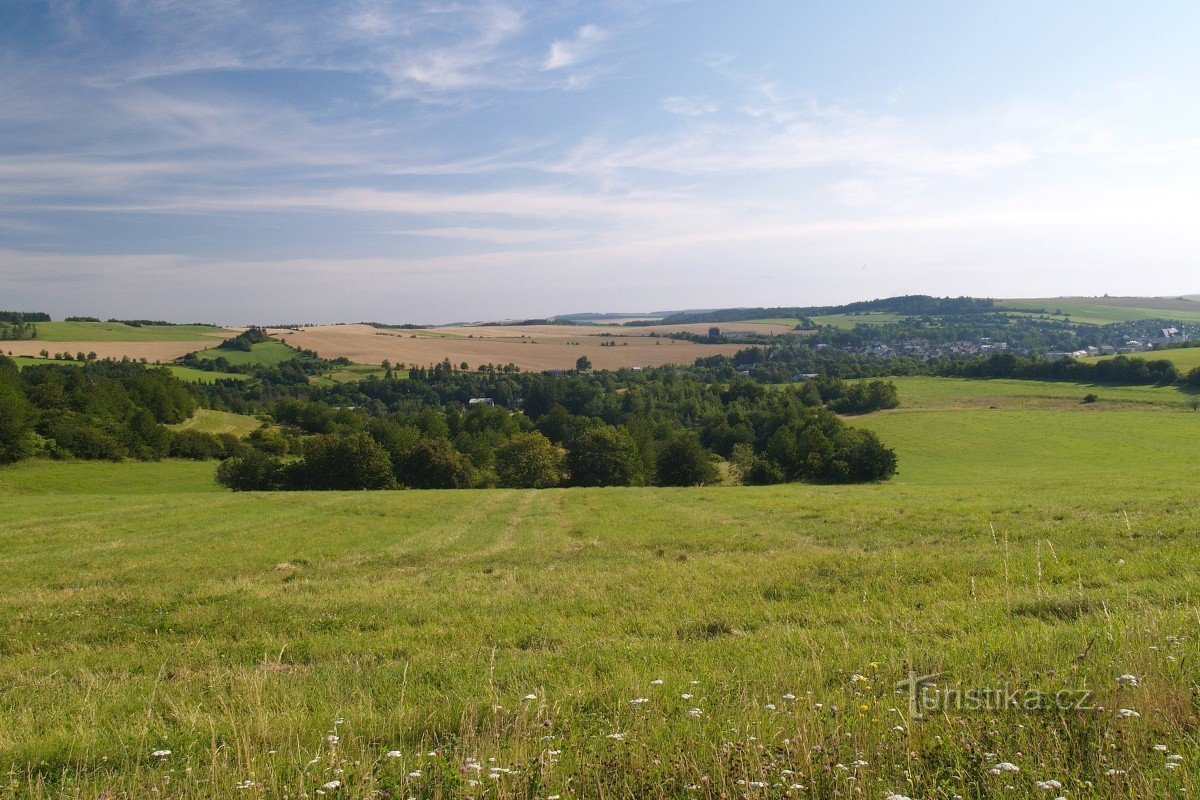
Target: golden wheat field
x=530, y=347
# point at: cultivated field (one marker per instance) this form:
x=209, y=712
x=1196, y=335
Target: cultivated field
x=154, y=343
x=632, y=643
x=530, y=347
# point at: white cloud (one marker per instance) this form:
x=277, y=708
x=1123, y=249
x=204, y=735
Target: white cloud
x=569, y=52
x=688, y=106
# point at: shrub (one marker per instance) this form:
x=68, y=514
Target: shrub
x=252, y=472
x=435, y=464
x=341, y=462
x=604, y=456
x=529, y=461
x=684, y=462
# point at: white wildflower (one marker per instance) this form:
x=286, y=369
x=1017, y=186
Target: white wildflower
x=329, y=787
x=160, y=753
x=394, y=754
x=1128, y=713
x=656, y=682
x=1050, y=784
x=1128, y=680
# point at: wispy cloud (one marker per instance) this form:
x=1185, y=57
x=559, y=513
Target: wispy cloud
x=569, y=52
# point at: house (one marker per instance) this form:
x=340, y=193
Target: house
x=481, y=401
x=1170, y=333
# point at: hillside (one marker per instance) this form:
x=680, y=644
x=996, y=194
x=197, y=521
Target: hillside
x=432, y=631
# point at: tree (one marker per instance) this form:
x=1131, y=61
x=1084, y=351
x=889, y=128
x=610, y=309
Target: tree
x=685, y=462
x=344, y=462
x=529, y=461
x=583, y=364
x=435, y=464
x=16, y=419
x=604, y=456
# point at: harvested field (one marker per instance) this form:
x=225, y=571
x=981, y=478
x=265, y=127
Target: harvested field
x=151, y=351
x=530, y=347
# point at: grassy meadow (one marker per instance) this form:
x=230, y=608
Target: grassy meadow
x=120, y=332
x=206, y=420
x=265, y=354
x=633, y=643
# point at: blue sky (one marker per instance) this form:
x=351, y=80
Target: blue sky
x=342, y=160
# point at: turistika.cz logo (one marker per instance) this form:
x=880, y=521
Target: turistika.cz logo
x=926, y=696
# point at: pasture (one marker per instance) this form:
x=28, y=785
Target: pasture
x=719, y=642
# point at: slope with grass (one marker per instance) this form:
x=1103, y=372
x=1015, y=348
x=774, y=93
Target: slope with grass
x=1107, y=310
x=721, y=642
x=120, y=332
x=262, y=354
x=1184, y=358
x=206, y=420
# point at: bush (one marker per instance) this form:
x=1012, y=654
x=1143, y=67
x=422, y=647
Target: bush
x=684, y=462
x=252, y=472
x=529, y=461
x=604, y=456
x=343, y=463
x=435, y=464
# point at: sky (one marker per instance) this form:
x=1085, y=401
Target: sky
x=276, y=161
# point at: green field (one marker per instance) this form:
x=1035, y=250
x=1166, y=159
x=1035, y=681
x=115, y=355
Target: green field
x=1185, y=358
x=207, y=420
x=263, y=354
x=183, y=373
x=861, y=318
x=1079, y=310
x=921, y=392
x=119, y=332
x=1018, y=547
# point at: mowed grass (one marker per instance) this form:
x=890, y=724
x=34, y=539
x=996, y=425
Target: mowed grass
x=721, y=642
x=119, y=332
x=207, y=420
x=263, y=354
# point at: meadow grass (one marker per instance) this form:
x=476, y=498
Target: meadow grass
x=632, y=643
x=119, y=332
x=264, y=354
x=207, y=420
